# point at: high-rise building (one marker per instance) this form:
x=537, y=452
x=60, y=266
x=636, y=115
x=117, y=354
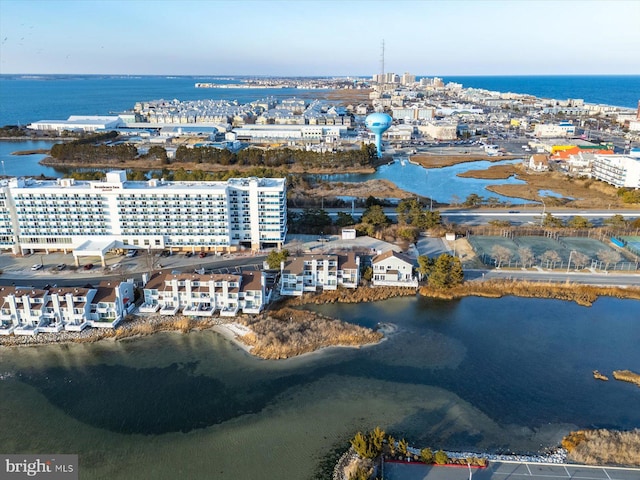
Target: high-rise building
x=63, y=214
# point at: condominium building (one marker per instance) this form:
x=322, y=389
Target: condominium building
x=310, y=273
x=617, y=170
x=202, y=295
x=29, y=311
x=73, y=215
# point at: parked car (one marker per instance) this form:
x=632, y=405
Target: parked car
x=202, y=254
x=36, y=266
x=60, y=267
x=88, y=266
x=165, y=253
x=131, y=253
x=188, y=254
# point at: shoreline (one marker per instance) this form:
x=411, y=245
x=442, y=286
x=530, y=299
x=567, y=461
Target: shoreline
x=234, y=329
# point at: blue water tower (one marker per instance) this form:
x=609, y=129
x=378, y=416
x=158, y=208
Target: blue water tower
x=378, y=123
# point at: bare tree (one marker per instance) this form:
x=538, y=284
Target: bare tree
x=580, y=260
x=608, y=257
x=500, y=255
x=550, y=257
x=526, y=256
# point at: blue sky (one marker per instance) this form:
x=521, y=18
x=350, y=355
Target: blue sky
x=320, y=37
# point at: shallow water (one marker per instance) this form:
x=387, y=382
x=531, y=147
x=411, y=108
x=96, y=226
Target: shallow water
x=483, y=374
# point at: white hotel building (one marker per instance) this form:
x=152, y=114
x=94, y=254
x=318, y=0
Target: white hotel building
x=95, y=216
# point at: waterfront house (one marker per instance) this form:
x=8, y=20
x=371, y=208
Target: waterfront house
x=312, y=273
x=393, y=269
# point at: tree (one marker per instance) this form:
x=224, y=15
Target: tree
x=409, y=233
x=410, y=212
x=526, y=256
x=374, y=215
x=367, y=274
x=608, y=257
x=500, y=255
x=344, y=220
x=473, y=200
x=446, y=272
x=580, y=260
x=550, y=257
x=432, y=219
x=276, y=257
x=425, y=264
x=551, y=221
x=579, y=222
x=617, y=222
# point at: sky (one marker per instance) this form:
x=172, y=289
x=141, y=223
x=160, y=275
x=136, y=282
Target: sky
x=320, y=37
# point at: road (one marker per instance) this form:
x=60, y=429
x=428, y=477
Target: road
x=610, y=279
x=509, y=471
x=516, y=215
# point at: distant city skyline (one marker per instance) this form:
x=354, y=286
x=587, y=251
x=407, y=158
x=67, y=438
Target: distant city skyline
x=319, y=37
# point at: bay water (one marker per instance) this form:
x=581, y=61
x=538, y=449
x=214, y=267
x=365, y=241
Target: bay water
x=477, y=374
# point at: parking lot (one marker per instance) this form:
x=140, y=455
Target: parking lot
x=508, y=470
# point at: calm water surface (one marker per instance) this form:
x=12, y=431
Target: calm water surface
x=437, y=183
x=486, y=374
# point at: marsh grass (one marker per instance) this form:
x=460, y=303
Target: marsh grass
x=627, y=376
x=603, y=447
x=581, y=294
x=287, y=332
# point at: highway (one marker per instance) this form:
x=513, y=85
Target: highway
x=516, y=215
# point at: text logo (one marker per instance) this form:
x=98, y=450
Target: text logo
x=49, y=467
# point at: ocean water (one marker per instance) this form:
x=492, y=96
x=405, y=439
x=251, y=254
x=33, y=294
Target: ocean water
x=478, y=374
x=618, y=90
x=28, y=98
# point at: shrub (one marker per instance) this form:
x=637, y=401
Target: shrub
x=426, y=455
x=441, y=458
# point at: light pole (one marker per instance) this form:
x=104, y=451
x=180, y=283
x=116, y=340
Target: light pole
x=544, y=209
x=569, y=264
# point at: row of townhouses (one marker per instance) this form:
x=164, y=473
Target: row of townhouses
x=95, y=216
x=202, y=295
x=29, y=311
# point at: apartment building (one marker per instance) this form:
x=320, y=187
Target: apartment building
x=65, y=214
x=29, y=311
x=617, y=170
x=202, y=295
x=310, y=273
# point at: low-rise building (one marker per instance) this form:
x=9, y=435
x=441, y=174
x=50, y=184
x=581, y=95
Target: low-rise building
x=202, y=295
x=617, y=170
x=312, y=273
x=84, y=123
x=393, y=269
x=29, y=311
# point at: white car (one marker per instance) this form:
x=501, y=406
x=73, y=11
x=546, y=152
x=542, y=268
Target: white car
x=37, y=266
